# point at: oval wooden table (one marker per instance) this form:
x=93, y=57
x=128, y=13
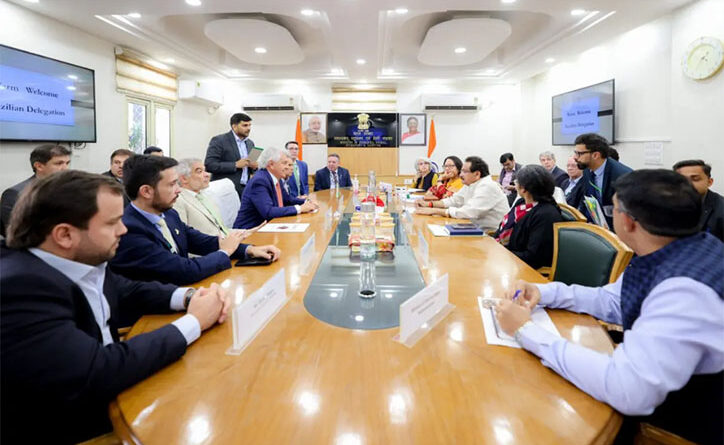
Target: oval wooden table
x=303, y=381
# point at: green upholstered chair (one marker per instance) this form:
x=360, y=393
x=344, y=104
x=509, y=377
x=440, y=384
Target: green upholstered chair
x=587, y=254
x=570, y=213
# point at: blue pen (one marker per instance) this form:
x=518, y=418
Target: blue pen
x=515, y=296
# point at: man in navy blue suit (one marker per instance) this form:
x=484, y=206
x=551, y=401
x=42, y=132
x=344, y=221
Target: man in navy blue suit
x=62, y=362
x=299, y=181
x=265, y=197
x=332, y=176
x=227, y=155
x=158, y=243
x=599, y=174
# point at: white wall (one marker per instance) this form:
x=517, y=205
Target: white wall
x=28, y=31
x=654, y=100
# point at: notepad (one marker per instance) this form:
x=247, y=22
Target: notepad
x=290, y=228
x=496, y=336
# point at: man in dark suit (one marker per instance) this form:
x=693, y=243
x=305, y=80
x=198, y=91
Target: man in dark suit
x=61, y=307
x=574, y=175
x=44, y=160
x=699, y=174
x=265, y=198
x=332, y=176
x=299, y=181
x=548, y=161
x=118, y=157
x=158, y=243
x=599, y=174
x=228, y=153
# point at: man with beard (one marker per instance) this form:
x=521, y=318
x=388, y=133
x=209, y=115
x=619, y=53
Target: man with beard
x=62, y=362
x=599, y=174
x=227, y=155
x=158, y=243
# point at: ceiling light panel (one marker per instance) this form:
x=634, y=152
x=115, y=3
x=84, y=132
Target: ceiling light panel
x=478, y=36
x=279, y=45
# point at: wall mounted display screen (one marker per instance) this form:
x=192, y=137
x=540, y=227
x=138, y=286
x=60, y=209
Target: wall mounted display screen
x=362, y=129
x=43, y=99
x=586, y=110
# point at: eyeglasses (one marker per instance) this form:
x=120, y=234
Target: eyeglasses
x=578, y=154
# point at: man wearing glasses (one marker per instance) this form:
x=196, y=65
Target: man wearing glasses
x=599, y=174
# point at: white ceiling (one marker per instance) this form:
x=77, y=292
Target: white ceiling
x=504, y=42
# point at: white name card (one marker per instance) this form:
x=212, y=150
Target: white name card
x=306, y=256
x=423, y=311
x=424, y=249
x=250, y=317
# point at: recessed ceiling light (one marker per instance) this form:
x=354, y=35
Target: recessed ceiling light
x=401, y=10
x=550, y=60
x=577, y=12
x=72, y=76
x=307, y=12
x=260, y=50
x=134, y=15
x=71, y=88
x=361, y=61
x=507, y=1
x=460, y=50
x=193, y=2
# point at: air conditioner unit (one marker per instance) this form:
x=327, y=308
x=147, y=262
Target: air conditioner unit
x=204, y=92
x=465, y=102
x=271, y=102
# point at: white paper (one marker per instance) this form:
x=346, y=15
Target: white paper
x=422, y=307
x=654, y=153
x=250, y=317
x=306, y=255
x=289, y=228
x=438, y=230
x=497, y=337
x=424, y=248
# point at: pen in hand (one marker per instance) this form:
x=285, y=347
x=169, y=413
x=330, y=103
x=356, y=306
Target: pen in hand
x=517, y=293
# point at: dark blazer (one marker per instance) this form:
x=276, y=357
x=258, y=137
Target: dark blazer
x=559, y=176
x=532, y=237
x=57, y=376
x=145, y=255
x=260, y=202
x=7, y=202
x=303, y=180
x=321, y=178
x=126, y=199
x=611, y=172
x=221, y=157
x=712, y=215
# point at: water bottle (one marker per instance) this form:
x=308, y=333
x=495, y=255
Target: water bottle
x=355, y=185
x=368, y=243
x=372, y=181
x=367, y=285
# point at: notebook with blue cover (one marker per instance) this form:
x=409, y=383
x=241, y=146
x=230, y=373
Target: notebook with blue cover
x=464, y=229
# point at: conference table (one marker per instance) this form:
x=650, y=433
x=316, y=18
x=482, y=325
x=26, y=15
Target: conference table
x=302, y=380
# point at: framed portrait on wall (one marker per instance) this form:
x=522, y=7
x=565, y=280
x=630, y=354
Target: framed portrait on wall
x=314, y=128
x=413, y=129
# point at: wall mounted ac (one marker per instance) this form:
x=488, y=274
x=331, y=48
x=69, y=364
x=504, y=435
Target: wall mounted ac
x=457, y=102
x=271, y=102
x=204, y=92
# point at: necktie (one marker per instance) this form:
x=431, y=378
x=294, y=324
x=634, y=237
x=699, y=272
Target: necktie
x=212, y=211
x=167, y=235
x=592, y=189
x=296, y=179
x=279, y=195
x=336, y=180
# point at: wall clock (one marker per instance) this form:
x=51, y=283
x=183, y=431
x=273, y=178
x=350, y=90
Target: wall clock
x=703, y=58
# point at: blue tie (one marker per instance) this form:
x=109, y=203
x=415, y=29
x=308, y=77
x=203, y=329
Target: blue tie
x=592, y=189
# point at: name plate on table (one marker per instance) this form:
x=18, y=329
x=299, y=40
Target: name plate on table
x=423, y=311
x=424, y=249
x=250, y=317
x=306, y=256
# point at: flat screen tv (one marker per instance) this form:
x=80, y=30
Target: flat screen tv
x=585, y=110
x=362, y=129
x=43, y=99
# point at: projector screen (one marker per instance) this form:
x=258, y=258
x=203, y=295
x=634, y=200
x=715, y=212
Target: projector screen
x=586, y=110
x=43, y=99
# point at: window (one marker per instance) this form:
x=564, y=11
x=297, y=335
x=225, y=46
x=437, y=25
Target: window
x=149, y=123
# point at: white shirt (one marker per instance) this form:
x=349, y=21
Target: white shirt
x=332, y=185
x=90, y=279
x=571, y=184
x=680, y=332
x=483, y=202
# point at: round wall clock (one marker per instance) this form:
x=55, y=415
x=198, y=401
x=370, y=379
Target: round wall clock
x=703, y=58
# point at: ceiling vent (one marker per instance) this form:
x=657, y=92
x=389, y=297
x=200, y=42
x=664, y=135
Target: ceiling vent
x=456, y=102
x=271, y=102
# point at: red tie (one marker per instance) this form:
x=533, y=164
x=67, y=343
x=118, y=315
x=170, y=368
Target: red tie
x=279, y=195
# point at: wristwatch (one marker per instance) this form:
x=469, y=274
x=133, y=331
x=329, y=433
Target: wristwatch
x=517, y=331
x=187, y=297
